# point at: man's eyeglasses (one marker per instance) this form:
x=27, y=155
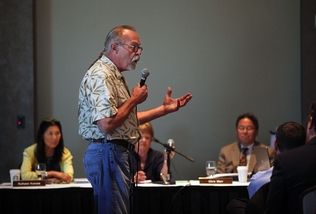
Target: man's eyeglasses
x=245, y=128
x=134, y=48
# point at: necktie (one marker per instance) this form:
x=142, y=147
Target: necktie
x=243, y=157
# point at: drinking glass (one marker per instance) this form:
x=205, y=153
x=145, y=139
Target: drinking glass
x=210, y=167
x=40, y=170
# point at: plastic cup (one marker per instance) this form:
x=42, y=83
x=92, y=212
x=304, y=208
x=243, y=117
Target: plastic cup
x=242, y=173
x=15, y=175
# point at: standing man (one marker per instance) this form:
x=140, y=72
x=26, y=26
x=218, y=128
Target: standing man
x=108, y=118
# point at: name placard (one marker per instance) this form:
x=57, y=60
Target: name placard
x=208, y=180
x=25, y=183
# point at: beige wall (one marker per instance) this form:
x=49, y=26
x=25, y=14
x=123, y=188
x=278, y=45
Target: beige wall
x=234, y=56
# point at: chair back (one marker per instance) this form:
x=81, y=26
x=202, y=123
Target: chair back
x=309, y=200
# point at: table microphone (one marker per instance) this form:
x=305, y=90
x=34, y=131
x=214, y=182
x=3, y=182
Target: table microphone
x=171, y=143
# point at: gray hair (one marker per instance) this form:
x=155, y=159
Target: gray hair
x=115, y=35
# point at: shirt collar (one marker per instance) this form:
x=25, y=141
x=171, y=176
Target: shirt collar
x=112, y=66
x=250, y=147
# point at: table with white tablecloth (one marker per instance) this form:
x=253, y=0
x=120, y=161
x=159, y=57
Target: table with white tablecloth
x=183, y=197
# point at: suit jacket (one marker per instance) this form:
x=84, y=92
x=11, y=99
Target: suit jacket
x=229, y=156
x=293, y=172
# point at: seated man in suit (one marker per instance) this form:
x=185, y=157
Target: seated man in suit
x=241, y=151
x=293, y=172
x=289, y=135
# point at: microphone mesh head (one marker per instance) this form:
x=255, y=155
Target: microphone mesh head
x=171, y=143
x=145, y=73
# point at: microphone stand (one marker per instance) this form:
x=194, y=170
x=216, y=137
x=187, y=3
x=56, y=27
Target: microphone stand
x=169, y=149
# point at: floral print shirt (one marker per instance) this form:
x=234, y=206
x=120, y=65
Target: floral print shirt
x=103, y=89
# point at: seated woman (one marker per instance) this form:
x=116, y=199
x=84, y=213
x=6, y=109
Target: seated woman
x=49, y=150
x=147, y=162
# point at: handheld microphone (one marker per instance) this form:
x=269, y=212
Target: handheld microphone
x=145, y=74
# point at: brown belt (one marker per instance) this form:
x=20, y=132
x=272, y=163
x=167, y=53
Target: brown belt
x=120, y=142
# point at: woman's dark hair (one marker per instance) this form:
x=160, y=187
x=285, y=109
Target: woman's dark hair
x=40, y=148
x=251, y=117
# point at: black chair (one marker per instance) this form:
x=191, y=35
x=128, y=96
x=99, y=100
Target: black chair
x=309, y=200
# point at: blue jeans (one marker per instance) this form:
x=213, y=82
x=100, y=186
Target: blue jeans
x=107, y=168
